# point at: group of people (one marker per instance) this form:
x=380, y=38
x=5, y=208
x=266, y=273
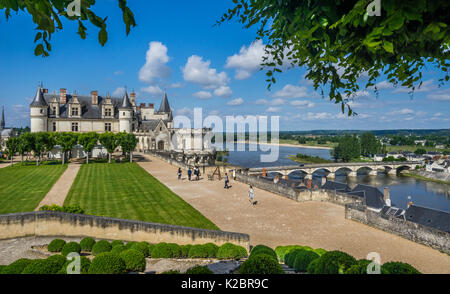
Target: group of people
x=196, y=172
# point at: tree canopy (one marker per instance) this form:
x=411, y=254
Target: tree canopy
x=343, y=48
x=47, y=15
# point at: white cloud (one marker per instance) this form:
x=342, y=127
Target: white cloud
x=236, y=102
x=261, y=102
x=384, y=85
x=199, y=72
x=437, y=114
x=302, y=104
x=273, y=109
x=119, y=92
x=291, y=91
x=184, y=111
x=153, y=90
x=440, y=95
x=359, y=94
x=155, y=63
x=176, y=85
x=247, y=61
x=223, y=91
x=403, y=111
x=426, y=87
x=202, y=95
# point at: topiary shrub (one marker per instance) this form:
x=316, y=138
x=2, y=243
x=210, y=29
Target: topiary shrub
x=118, y=249
x=71, y=247
x=162, y=250
x=261, y=264
x=199, y=270
x=211, y=249
x=290, y=257
x=176, y=250
x=41, y=267
x=130, y=244
x=65, y=208
x=56, y=245
x=401, y=268
x=150, y=249
x=141, y=247
x=334, y=262
x=231, y=251
x=134, y=260
x=57, y=260
x=320, y=251
x=262, y=249
x=116, y=242
x=85, y=263
x=281, y=251
x=101, y=247
x=302, y=260
x=87, y=244
x=198, y=251
x=16, y=267
x=185, y=250
x=359, y=268
x=107, y=263
x=171, y=272
x=312, y=267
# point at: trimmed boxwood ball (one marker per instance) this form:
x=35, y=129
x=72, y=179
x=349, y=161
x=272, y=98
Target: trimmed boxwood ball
x=116, y=242
x=211, y=249
x=176, y=250
x=185, y=250
x=398, y=268
x=360, y=268
x=302, y=260
x=87, y=244
x=71, y=247
x=101, y=247
x=320, y=251
x=281, y=251
x=261, y=264
x=41, y=267
x=130, y=244
x=118, y=249
x=312, y=267
x=141, y=247
x=150, y=249
x=231, y=251
x=56, y=245
x=162, y=250
x=134, y=260
x=262, y=249
x=57, y=260
x=199, y=270
x=16, y=267
x=85, y=263
x=334, y=262
x=198, y=251
x=107, y=263
x=290, y=257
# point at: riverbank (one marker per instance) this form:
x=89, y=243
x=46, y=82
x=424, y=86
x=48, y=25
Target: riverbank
x=427, y=176
x=308, y=159
x=287, y=145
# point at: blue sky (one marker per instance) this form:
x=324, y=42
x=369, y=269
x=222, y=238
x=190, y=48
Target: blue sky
x=175, y=47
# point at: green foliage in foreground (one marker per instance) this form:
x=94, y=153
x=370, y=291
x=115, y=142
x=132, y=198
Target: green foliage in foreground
x=71, y=247
x=134, y=260
x=261, y=263
x=87, y=244
x=101, y=246
x=65, y=208
x=107, y=263
x=231, y=251
x=398, y=268
x=56, y=245
x=127, y=191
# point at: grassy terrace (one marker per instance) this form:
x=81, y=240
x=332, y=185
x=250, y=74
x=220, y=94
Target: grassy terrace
x=23, y=187
x=127, y=191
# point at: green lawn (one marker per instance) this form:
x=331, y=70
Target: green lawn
x=127, y=191
x=23, y=187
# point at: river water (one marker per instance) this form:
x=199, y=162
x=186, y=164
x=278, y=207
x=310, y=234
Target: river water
x=423, y=193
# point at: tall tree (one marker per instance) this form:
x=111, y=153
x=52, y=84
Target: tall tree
x=348, y=148
x=47, y=14
x=88, y=141
x=110, y=142
x=66, y=141
x=39, y=144
x=340, y=44
x=369, y=144
x=11, y=147
x=128, y=143
x=28, y=141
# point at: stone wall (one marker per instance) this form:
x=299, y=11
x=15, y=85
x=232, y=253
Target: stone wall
x=428, y=236
x=46, y=223
x=297, y=194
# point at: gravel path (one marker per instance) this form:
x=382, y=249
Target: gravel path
x=276, y=220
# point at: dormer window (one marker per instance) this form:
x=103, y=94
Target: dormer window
x=75, y=111
x=108, y=112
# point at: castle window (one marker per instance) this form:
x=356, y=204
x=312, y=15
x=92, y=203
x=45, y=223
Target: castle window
x=42, y=111
x=107, y=127
x=75, y=111
x=54, y=110
x=74, y=127
x=107, y=111
x=54, y=126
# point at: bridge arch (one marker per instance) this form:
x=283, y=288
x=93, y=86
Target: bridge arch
x=343, y=168
x=402, y=168
x=365, y=168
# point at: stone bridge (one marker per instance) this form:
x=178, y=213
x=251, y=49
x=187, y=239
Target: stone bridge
x=352, y=169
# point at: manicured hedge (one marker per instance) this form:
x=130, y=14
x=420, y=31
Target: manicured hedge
x=302, y=260
x=261, y=264
x=87, y=244
x=359, y=268
x=116, y=242
x=130, y=244
x=41, y=267
x=211, y=249
x=334, y=262
x=71, y=247
x=85, y=263
x=312, y=267
x=141, y=247
x=107, y=263
x=398, y=268
x=118, y=249
x=56, y=245
x=176, y=250
x=281, y=251
x=101, y=247
x=320, y=251
x=134, y=260
x=231, y=251
x=262, y=249
x=57, y=260
x=185, y=250
x=199, y=270
x=198, y=251
x=290, y=257
x=16, y=267
x=162, y=250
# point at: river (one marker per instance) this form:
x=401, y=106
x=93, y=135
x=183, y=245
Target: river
x=423, y=193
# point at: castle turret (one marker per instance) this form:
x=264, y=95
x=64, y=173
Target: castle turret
x=125, y=114
x=39, y=112
x=2, y=123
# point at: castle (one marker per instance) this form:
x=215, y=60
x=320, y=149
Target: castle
x=154, y=129
x=5, y=133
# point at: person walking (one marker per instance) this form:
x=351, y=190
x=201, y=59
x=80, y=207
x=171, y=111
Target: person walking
x=234, y=174
x=251, y=196
x=198, y=173
x=179, y=173
x=189, y=172
x=226, y=181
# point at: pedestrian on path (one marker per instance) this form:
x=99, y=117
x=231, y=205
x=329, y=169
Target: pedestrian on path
x=179, y=173
x=234, y=174
x=189, y=172
x=226, y=181
x=251, y=196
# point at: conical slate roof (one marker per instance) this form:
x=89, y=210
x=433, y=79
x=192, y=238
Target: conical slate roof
x=165, y=107
x=126, y=101
x=39, y=98
x=2, y=123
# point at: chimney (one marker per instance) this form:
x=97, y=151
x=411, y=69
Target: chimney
x=133, y=98
x=387, y=196
x=62, y=96
x=94, y=96
x=45, y=91
x=151, y=105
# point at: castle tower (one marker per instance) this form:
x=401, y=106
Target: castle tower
x=125, y=114
x=164, y=108
x=39, y=112
x=2, y=123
